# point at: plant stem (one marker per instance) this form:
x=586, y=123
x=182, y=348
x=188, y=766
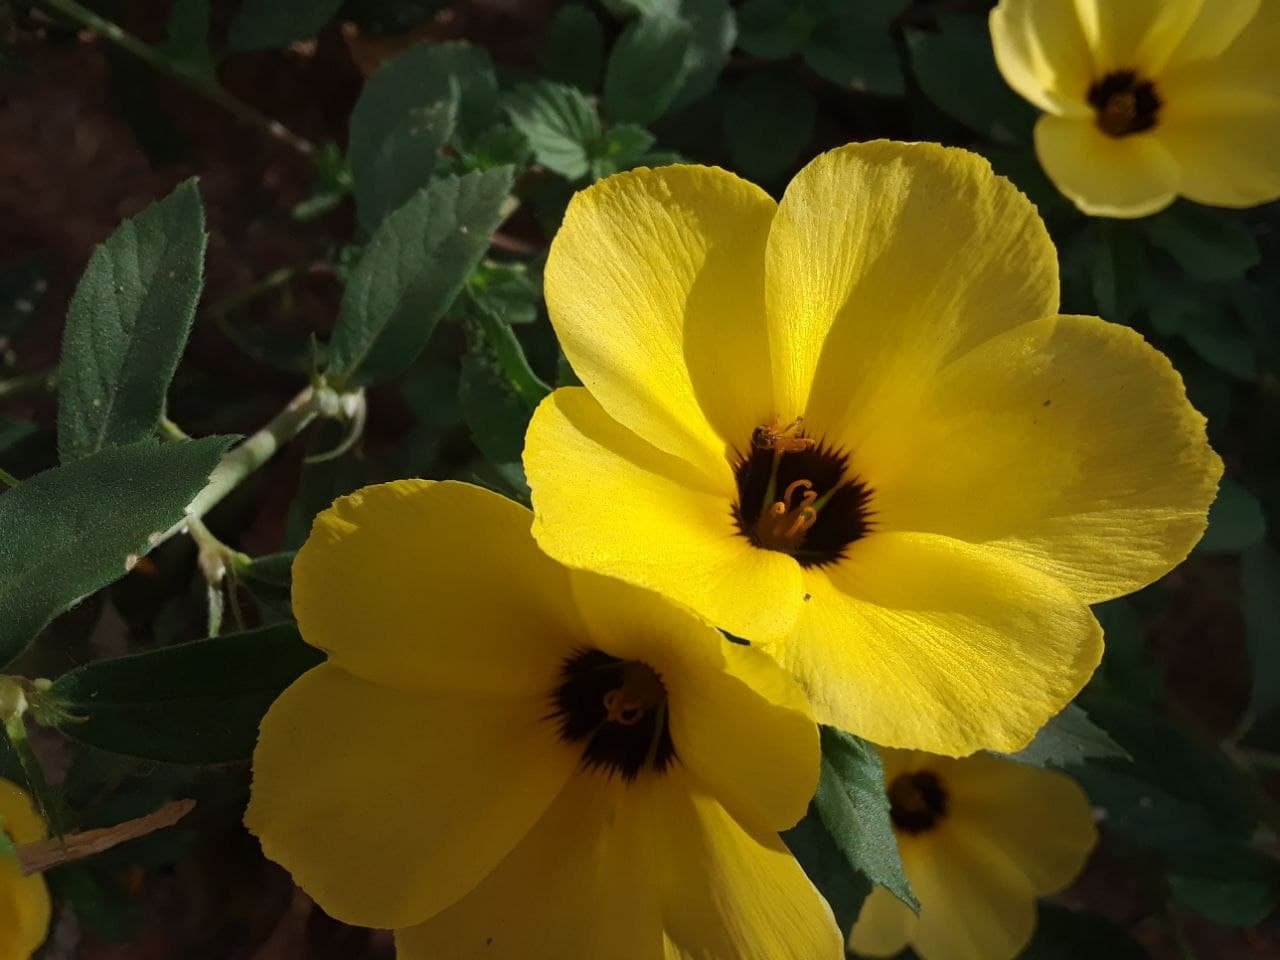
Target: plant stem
x=238, y=463
x=207, y=87
x=40, y=380
x=50, y=807
x=7, y=478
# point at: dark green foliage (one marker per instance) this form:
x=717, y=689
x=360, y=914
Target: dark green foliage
x=269, y=25
x=197, y=702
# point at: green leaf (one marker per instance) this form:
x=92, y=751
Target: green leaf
x=956, y=69
x=508, y=290
x=128, y=324
x=713, y=30
x=1208, y=244
x=1236, y=521
x=272, y=25
x=1119, y=269
x=269, y=579
x=825, y=865
x=1063, y=934
x=187, y=45
x=411, y=272
x=767, y=122
x=1260, y=605
x=1239, y=887
x=1068, y=740
x=852, y=803
x=857, y=49
x=646, y=69
x=572, y=48
x=406, y=112
x=1213, y=336
x=561, y=126
x=774, y=29
x=73, y=529
x=197, y=702
x=623, y=147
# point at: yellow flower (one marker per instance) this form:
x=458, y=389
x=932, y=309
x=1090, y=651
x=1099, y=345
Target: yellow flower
x=852, y=427
x=503, y=758
x=24, y=901
x=981, y=838
x=1147, y=100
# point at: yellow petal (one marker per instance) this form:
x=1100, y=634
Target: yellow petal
x=25, y=912
x=1135, y=35
x=1042, y=54
x=606, y=501
x=1248, y=61
x=1068, y=444
x=884, y=925
x=24, y=901
x=1225, y=141
x=884, y=260
x=726, y=892
x=575, y=887
x=1039, y=821
x=387, y=805
x=972, y=906
x=738, y=722
x=1106, y=176
x=916, y=640
x=418, y=584
x=1218, y=24
x=655, y=287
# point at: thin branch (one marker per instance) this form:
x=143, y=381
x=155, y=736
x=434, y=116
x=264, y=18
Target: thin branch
x=44, y=855
x=206, y=86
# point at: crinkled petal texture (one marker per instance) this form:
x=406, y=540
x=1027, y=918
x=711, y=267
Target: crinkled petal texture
x=410, y=777
x=1217, y=130
x=24, y=901
x=1011, y=833
x=653, y=869
x=912, y=319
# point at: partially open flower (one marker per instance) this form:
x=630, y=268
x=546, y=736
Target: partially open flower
x=981, y=838
x=24, y=901
x=1147, y=100
x=503, y=758
x=852, y=427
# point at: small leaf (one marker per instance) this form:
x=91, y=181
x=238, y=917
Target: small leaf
x=561, y=126
x=404, y=161
x=857, y=49
x=1237, y=887
x=410, y=274
x=197, y=702
x=768, y=121
x=573, y=47
x=852, y=803
x=272, y=25
x=508, y=290
x=1068, y=740
x=188, y=42
x=713, y=30
x=827, y=869
x=646, y=69
x=1236, y=521
x=1119, y=270
x=1208, y=244
x=774, y=29
x=623, y=147
x=73, y=529
x=128, y=324
x=956, y=69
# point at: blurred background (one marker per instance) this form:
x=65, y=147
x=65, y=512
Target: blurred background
x=257, y=104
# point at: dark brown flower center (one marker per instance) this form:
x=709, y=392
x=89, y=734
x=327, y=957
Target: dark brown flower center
x=917, y=801
x=1124, y=103
x=797, y=496
x=617, y=710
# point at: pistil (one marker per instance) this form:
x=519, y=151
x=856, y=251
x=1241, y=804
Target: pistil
x=784, y=523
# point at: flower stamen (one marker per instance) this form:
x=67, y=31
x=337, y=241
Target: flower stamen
x=783, y=525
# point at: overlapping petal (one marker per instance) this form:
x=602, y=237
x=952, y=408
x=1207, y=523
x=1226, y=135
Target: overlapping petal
x=1043, y=54
x=924, y=641
x=388, y=805
x=606, y=501
x=1067, y=445
x=654, y=285
x=1218, y=24
x=887, y=259
x=1136, y=34
x=434, y=585
x=1225, y=141
x=1106, y=176
x=739, y=723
